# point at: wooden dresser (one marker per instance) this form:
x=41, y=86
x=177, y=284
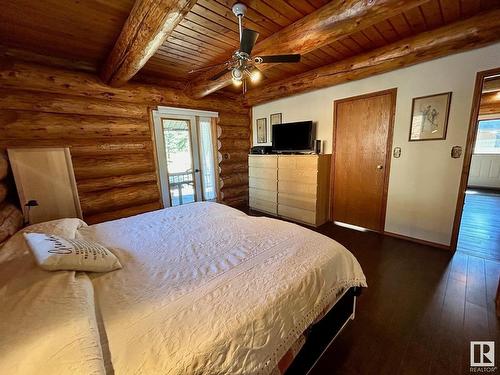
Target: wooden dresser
x=294, y=187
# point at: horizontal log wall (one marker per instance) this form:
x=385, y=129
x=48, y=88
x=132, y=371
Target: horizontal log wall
x=110, y=153
x=11, y=218
x=108, y=131
x=233, y=143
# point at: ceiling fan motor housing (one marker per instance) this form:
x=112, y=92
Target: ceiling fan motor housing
x=239, y=9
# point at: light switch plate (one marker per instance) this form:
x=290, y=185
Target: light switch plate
x=397, y=152
x=456, y=152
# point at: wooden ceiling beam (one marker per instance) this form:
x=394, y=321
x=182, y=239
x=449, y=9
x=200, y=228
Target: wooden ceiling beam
x=149, y=24
x=491, y=85
x=39, y=79
x=460, y=36
x=322, y=27
x=490, y=103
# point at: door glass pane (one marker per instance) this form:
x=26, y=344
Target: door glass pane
x=179, y=161
x=207, y=159
x=488, y=137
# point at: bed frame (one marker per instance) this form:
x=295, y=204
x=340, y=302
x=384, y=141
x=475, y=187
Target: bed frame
x=320, y=336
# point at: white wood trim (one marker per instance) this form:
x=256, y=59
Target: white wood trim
x=491, y=116
x=161, y=158
x=186, y=112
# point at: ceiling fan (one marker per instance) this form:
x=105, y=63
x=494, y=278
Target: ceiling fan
x=242, y=65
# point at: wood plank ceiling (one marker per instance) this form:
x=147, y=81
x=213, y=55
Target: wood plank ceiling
x=86, y=31
x=208, y=34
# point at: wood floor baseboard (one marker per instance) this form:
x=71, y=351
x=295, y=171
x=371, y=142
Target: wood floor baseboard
x=419, y=241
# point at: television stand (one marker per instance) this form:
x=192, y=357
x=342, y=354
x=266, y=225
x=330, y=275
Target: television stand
x=295, y=187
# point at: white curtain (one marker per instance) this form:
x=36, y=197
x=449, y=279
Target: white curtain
x=207, y=158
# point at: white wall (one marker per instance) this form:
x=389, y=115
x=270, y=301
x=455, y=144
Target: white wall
x=423, y=184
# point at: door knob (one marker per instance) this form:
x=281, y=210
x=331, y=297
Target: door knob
x=196, y=170
x=380, y=166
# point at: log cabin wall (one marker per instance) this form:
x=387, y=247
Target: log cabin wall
x=11, y=218
x=109, y=133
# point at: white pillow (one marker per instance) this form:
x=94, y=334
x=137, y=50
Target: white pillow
x=54, y=253
x=16, y=245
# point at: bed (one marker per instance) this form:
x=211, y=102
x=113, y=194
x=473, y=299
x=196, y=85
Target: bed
x=204, y=289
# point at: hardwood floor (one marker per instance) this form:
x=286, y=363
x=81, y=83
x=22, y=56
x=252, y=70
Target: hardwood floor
x=480, y=227
x=420, y=311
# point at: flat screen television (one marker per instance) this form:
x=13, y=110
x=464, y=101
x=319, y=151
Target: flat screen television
x=293, y=137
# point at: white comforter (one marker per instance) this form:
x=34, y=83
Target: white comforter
x=206, y=289
x=47, y=319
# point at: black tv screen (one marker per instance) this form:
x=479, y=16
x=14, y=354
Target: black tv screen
x=293, y=137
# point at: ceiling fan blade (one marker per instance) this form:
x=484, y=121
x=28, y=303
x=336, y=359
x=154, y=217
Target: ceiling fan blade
x=218, y=75
x=278, y=59
x=248, y=39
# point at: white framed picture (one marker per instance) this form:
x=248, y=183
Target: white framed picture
x=429, y=117
x=275, y=118
x=262, y=130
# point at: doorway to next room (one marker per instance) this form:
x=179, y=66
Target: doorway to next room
x=479, y=233
x=478, y=210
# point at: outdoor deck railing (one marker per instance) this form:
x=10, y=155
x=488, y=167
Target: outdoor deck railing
x=177, y=181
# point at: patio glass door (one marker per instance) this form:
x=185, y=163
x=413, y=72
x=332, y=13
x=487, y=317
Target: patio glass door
x=182, y=173
x=186, y=158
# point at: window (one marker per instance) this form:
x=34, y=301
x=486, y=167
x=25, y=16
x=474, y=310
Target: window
x=488, y=137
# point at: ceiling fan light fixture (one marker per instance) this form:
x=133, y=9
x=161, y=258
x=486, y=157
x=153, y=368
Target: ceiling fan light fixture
x=237, y=74
x=242, y=64
x=255, y=75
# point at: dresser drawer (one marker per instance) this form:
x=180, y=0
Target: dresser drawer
x=300, y=189
x=267, y=173
x=303, y=175
x=292, y=200
x=304, y=216
x=265, y=195
x=262, y=183
x=306, y=162
x=263, y=161
x=262, y=205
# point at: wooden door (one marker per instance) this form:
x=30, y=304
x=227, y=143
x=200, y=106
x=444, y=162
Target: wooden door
x=360, y=171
